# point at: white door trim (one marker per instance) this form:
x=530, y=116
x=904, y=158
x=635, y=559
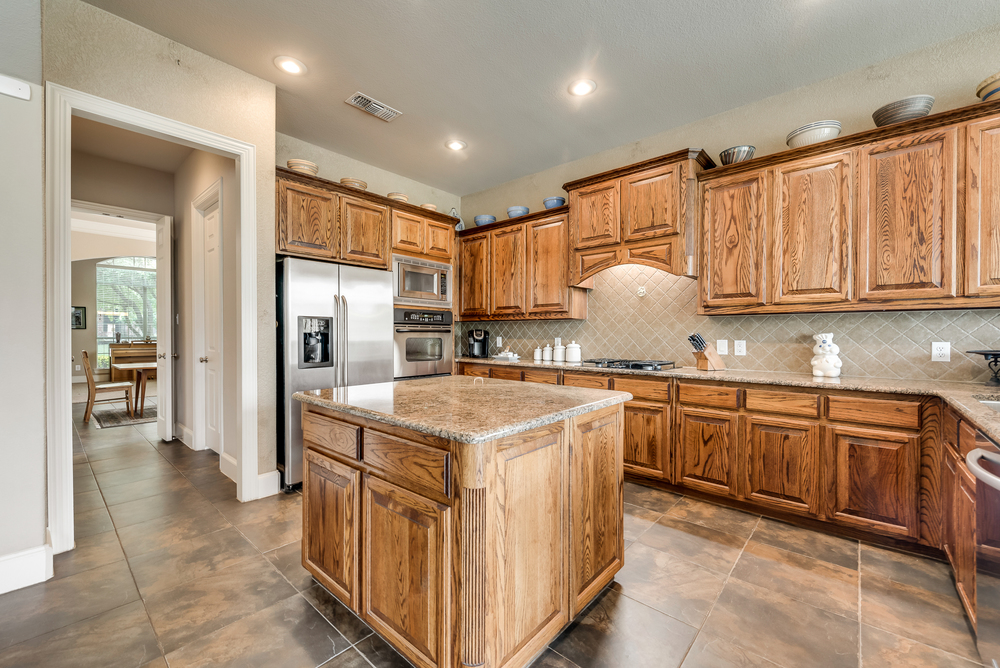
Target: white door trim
x=61, y=105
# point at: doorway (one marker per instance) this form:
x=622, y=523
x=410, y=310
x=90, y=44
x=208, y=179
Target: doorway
x=61, y=105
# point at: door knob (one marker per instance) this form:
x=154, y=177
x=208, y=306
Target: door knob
x=203, y=359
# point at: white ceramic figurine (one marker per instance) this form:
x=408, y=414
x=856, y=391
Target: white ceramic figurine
x=826, y=360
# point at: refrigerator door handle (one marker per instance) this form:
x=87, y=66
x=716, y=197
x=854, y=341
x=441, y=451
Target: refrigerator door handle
x=335, y=344
x=346, y=357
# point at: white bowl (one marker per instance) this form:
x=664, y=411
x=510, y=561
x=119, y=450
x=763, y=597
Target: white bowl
x=354, y=183
x=813, y=133
x=429, y=207
x=399, y=197
x=303, y=166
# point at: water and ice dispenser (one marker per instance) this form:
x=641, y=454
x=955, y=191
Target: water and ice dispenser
x=315, y=342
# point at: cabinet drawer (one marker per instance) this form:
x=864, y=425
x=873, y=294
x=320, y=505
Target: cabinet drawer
x=506, y=373
x=420, y=468
x=709, y=395
x=883, y=412
x=590, y=380
x=966, y=438
x=332, y=436
x=541, y=376
x=785, y=403
x=644, y=389
x=477, y=370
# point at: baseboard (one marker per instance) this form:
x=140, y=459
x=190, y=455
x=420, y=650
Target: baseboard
x=229, y=467
x=268, y=484
x=184, y=435
x=25, y=568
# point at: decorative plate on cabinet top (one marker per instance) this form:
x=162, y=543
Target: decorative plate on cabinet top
x=915, y=106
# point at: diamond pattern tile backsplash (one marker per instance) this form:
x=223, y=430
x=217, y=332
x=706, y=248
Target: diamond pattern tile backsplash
x=656, y=326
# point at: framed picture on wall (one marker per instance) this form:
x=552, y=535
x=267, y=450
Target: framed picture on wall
x=79, y=317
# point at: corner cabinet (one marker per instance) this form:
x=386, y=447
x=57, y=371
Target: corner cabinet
x=519, y=270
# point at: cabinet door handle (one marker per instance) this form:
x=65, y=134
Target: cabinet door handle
x=972, y=459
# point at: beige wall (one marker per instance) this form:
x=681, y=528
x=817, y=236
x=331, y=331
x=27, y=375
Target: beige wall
x=90, y=50
x=949, y=71
x=195, y=175
x=334, y=166
x=114, y=183
x=83, y=287
x=88, y=246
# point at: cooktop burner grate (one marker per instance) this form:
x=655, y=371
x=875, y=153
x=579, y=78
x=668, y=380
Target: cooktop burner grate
x=645, y=365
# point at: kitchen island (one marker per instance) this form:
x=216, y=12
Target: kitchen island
x=466, y=520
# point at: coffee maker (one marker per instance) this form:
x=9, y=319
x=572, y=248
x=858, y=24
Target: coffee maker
x=479, y=343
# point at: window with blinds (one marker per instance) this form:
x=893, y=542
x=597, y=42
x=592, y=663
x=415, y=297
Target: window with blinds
x=126, y=303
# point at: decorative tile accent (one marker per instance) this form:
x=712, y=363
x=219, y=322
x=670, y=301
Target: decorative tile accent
x=873, y=344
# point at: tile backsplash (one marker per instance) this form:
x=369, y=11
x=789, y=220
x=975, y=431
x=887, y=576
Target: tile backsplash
x=880, y=345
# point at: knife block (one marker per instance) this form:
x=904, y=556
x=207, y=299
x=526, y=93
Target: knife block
x=708, y=359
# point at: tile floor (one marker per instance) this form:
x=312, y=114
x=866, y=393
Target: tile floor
x=171, y=570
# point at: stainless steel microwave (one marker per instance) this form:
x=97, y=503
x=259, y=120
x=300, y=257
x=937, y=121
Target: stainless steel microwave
x=420, y=282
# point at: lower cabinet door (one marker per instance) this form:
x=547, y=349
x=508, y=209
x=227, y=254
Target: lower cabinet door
x=780, y=463
x=647, y=438
x=330, y=533
x=949, y=485
x=406, y=571
x=964, y=512
x=872, y=479
x=706, y=450
x=596, y=504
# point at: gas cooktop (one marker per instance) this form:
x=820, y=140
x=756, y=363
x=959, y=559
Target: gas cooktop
x=645, y=365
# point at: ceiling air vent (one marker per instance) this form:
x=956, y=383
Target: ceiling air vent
x=373, y=107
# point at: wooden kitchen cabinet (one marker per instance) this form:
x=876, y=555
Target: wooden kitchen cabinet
x=779, y=463
x=507, y=276
x=331, y=508
x=596, y=211
x=422, y=237
x=307, y=221
x=949, y=487
x=649, y=203
x=982, y=209
x=906, y=238
x=706, y=450
x=647, y=439
x=548, y=266
x=406, y=550
x=872, y=479
x=811, y=233
x=734, y=217
x=966, y=541
x=474, y=268
x=364, y=235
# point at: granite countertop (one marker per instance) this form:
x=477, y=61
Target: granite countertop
x=963, y=397
x=462, y=408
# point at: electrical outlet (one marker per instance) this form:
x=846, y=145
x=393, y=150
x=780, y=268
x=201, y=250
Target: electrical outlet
x=77, y=367
x=739, y=348
x=722, y=346
x=499, y=341
x=940, y=351
x=641, y=291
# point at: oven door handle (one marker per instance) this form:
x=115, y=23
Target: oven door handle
x=972, y=459
x=423, y=331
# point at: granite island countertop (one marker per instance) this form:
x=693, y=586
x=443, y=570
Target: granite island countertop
x=462, y=408
x=962, y=397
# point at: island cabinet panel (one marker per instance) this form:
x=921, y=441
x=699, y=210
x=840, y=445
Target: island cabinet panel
x=647, y=438
x=365, y=233
x=780, y=465
x=907, y=217
x=548, y=265
x=474, y=261
x=811, y=238
x=307, y=221
x=650, y=202
x=734, y=217
x=706, y=450
x=330, y=536
x=596, y=504
x=420, y=467
x=872, y=480
x=530, y=558
x=596, y=219
x=406, y=572
x=982, y=209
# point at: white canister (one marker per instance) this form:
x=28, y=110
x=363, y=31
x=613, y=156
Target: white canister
x=547, y=353
x=573, y=352
x=538, y=354
x=559, y=353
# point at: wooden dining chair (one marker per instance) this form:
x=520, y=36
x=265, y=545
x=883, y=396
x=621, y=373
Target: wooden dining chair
x=95, y=389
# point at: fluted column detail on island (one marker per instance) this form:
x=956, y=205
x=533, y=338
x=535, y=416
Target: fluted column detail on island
x=474, y=577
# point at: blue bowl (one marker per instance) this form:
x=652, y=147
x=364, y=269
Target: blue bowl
x=553, y=202
x=485, y=220
x=515, y=211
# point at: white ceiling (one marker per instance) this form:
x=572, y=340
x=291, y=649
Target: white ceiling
x=132, y=148
x=494, y=74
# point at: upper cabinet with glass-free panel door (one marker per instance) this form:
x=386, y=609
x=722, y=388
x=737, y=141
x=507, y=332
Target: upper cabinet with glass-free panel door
x=364, y=233
x=306, y=220
x=982, y=209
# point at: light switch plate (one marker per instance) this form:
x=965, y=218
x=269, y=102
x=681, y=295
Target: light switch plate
x=499, y=341
x=77, y=367
x=15, y=88
x=940, y=351
x=739, y=348
x=722, y=346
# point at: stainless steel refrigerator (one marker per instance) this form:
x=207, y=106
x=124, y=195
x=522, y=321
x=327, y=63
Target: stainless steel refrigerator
x=334, y=330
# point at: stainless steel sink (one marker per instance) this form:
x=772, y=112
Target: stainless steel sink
x=991, y=403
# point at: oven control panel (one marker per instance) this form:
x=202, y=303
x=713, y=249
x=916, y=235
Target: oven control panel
x=412, y=317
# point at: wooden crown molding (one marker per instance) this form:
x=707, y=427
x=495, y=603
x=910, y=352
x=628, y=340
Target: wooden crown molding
x=510, y=222
x=696, y=154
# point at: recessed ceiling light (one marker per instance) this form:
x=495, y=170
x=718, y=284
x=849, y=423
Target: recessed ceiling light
x=290, y=65
x=456, y=145
x=582, y=87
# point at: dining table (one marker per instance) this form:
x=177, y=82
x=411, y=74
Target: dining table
x=140, y=373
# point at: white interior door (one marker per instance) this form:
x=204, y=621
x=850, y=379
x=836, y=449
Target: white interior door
x=211, y=357
x=164, y=329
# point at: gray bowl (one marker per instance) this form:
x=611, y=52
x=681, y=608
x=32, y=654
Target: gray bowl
x=553, y=202
x=736, y=154
x=485, y=220
x=915, y=106
x=515, y=211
